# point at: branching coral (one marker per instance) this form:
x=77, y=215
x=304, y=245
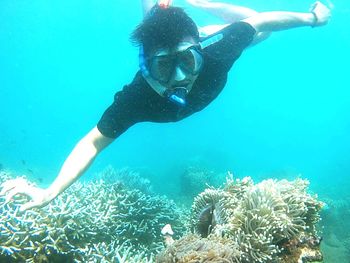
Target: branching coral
x=93, y=222
x=195, y=179
x=131, y=179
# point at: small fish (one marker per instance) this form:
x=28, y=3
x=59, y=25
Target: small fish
x=206, y=220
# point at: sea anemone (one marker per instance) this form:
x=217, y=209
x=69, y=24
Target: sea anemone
x=209, y=210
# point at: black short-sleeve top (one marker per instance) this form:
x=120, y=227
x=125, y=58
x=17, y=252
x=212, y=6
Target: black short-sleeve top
x=138, y=102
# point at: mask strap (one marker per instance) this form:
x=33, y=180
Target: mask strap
x=145, y=73
x=211, y=40
x=142, y=62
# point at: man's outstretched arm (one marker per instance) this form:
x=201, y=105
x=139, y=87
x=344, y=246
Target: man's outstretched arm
x=75, y=165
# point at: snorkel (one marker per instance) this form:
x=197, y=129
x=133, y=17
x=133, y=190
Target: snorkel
x=177, y=94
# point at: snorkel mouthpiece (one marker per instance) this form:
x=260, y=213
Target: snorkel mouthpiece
x=177, y=95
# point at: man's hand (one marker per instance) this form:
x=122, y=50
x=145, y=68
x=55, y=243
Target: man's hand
x=321, y=12
x=39, y=197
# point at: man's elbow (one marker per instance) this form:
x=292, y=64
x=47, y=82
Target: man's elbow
x=99, y=141
x=94, y=142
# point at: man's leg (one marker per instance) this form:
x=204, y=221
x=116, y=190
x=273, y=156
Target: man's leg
x=229, y=13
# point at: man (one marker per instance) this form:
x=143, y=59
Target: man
x=180, y=74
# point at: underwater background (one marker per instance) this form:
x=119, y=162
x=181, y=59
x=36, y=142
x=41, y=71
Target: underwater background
x=284, y=112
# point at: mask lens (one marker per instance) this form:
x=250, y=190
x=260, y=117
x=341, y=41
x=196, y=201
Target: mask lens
x=162, y=68
x=191, y=61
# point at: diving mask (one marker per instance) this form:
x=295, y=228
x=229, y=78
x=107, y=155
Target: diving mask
x=159, y=70
x=162, y=67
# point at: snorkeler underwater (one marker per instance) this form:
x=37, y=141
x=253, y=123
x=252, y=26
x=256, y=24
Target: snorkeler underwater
x=173, y=131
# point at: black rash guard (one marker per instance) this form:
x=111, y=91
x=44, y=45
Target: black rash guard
x=138, y=102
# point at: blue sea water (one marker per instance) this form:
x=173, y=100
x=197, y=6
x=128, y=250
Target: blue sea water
x=284, y=111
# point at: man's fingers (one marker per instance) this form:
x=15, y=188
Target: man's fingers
x=7, y=186
x=3, y=191
x=15, y=191
x=14, y=183
x=13, y=187
x=10, y=195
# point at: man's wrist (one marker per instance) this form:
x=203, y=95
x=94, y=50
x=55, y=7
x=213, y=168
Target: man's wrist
x=51, y=193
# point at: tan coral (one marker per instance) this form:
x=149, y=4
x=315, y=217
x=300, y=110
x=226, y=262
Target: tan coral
x=192, y=249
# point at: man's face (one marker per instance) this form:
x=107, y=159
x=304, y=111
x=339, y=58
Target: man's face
x=176, y=67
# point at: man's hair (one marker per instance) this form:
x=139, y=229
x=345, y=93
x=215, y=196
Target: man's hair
x=164, y=28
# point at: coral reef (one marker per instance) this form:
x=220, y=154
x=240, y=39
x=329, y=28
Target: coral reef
x=105, y=221
x=258, y=218
x=91, y=222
